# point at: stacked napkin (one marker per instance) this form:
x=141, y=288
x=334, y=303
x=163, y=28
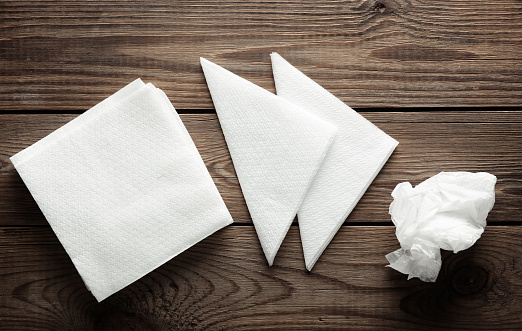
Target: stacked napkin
x=301, y=152
x=123, y=187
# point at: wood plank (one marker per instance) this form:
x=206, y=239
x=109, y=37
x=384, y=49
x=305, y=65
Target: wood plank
x=425, y=149
x=435, y=115
x=68, y=54
x=223, y=283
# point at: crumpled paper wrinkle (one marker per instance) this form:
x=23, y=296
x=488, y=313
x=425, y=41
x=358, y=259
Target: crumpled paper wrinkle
x=447, y=211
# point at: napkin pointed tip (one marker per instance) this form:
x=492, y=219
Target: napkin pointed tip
x=310, y=264
x=276, y=57
x=270, y=258
x=204, y=61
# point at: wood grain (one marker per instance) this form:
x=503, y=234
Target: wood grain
x=429, y=143
x=67, y=54
x=376, y=55
x=223, y=283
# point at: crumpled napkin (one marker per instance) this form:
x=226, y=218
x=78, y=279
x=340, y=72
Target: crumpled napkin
x=446, y=211
x=123, y=187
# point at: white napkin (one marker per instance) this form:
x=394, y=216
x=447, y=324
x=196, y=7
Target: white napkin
x=123, y=187
x=276, y=148
x=356, y=156
x=446, y=211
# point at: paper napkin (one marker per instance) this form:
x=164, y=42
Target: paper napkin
x=447, y=211
x=123, y=187
x=276, y=147
x=356, y=156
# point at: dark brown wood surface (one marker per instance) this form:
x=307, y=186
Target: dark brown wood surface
x=223, y=283
x=69, y=54
x=59, y=58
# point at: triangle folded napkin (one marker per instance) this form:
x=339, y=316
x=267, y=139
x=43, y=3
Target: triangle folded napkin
x=356, y=156
x=123, y=187
x=276, y=147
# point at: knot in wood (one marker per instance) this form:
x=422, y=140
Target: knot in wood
x=470, y=280
x=379, y=6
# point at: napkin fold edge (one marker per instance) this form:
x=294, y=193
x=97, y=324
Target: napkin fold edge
x=313, y=261
x=70, y=126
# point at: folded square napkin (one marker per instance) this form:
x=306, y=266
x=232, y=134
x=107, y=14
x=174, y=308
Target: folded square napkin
x=358, y=152
x=276, y=147
x=123, y=187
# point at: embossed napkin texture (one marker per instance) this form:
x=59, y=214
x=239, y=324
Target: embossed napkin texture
x=276, y=147
x=123, y=187
x=358, y=152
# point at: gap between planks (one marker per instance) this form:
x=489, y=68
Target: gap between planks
x=455, y=113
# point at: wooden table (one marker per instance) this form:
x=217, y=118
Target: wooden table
x=444, y=78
